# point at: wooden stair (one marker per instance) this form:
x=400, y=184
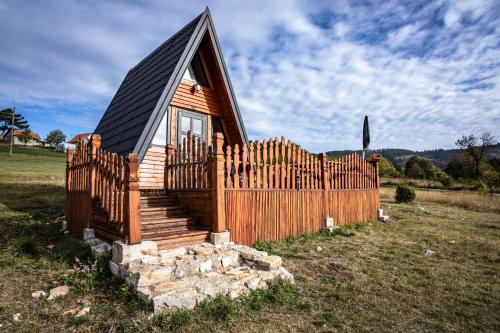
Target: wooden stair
x=166, y=221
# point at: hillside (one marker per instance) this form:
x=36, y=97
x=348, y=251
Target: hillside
x=438, y=157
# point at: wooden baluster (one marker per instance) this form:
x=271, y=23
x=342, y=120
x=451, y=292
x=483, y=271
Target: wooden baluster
x=308, y=172
x=293, y=162
x=244, y=161
x=229, y=164
x=204, y=165
x=194, y=162
x=302, y=164
x=283, y=160
x=258, y=162
x=276, y=164
x=120, y=176
x=251, y=164
x=189, y=166
x=264, y=165
x=199, y=163
x=271, y=163
x=288, y=184
x=178, y=170
x=115, y=185
x=236, y=179
x=184, y=165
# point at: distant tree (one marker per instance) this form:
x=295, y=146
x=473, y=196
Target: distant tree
x=494, y=162
x=434, y=174
x=6, y=120
x=55, y=137
x=491, y=178
x=25, y=136
x=415, y=167
x=475, y=150
x=387, y=169
x=455, y=168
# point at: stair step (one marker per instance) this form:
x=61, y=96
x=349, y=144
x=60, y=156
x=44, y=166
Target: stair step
x=175, y=234
x=163, y=219
x=171, y=225
x=183, y=241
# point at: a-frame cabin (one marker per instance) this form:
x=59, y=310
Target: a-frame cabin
x=181, y=86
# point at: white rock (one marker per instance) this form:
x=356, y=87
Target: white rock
x=83, y=311
x=173, y=252
x=170, y=285
x=249, y=253
x=149, y=248
x=269, y=262
x=150, y=260
x=101, y=249
x=186, y=267
x=16, y=317
x=206, y=265
x=319, y=249
x=88, y=233
x=38, y=294
x=230, y=258
x=203, y=250
x=253, y=283
x=429, y=252
x=58, y=292
x=183, y=298
x=286, y=275
x=114, y=268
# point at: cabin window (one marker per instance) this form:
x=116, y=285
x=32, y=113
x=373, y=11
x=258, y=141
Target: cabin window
x=196, y=72
x=191, y=121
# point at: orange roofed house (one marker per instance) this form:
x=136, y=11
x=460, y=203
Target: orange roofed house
x=170, y=161
x=35, y=138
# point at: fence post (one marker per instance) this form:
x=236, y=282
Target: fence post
x=325, y=177
x=169, y=152
x=218, y=187
x=93, y=146
x=132, y=199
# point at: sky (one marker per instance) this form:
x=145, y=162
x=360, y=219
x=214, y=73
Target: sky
x=425, y=72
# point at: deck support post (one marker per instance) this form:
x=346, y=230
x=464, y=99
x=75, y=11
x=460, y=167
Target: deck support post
x=93, y=146
x=69, y=157
x=218, y=187
x=132, y=199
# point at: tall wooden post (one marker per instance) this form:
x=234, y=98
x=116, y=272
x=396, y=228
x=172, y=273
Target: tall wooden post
x=375, y=159
x=132, y=199
x=325, y=177
x=93, y=145
x=218, y=187
x=168, y=176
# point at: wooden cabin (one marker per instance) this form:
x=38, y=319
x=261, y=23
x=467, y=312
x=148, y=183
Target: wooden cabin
x=170, y=162
x=182, y=86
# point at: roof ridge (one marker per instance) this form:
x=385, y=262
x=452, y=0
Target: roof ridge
x=157, y=50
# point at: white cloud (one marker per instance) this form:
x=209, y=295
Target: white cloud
x=312, y=83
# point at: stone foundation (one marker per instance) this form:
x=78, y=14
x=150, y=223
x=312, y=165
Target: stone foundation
x=97, y=246
x=185, y=276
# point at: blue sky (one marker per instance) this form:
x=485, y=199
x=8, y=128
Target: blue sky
x=425, y=72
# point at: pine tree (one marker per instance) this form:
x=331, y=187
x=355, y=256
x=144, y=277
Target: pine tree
x=6, y=120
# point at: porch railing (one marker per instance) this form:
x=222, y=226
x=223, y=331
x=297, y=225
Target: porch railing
x=102, y=191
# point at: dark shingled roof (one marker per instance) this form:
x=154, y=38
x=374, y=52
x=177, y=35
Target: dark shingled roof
x=127, y=115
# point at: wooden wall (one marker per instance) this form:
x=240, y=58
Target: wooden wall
x=152, y=169
x=353, y=206
x=257, y=214
x=204, y=101
x=199, y=203
x=270, y=215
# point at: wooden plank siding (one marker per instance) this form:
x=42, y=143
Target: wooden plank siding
x=204, y=101
x=152, y=169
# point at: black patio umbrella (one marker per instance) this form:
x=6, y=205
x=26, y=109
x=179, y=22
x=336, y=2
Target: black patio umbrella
x=366, y=135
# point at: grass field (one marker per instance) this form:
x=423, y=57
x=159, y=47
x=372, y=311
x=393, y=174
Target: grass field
x=372, y=277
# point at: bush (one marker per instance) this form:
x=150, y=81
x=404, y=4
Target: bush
x=405, y=193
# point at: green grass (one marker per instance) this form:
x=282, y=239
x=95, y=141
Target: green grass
x=370, y=277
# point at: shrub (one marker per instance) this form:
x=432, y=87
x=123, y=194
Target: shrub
x=405, y=193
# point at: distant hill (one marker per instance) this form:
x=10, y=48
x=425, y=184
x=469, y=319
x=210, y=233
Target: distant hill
x=438, y=157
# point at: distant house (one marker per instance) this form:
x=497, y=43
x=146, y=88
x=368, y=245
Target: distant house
x=35, y=138
x=71, y=143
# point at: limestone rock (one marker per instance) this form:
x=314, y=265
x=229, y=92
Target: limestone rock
x=148, y=248
x=269, y=262
x=38, y=294
x=150, y=260
x=172, y=253
x=58, y=292
x=206, y=265
x=249, y=253
x=230, y=258
x=203, y=250
x=16, y=317
x=183, y=298
x=286, y=275
x=186, y=267
x=169, y=285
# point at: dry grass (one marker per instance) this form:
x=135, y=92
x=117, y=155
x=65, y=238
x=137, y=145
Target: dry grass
x=367, y=278
x=464, y=199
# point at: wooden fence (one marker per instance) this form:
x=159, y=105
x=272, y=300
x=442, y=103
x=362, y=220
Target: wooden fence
x=102, y=191
x=274, y=189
